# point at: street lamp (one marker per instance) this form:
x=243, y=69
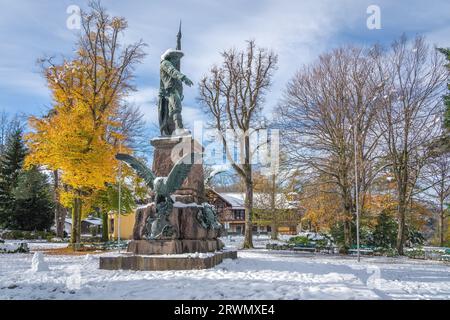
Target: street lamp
x=356, y=194
x=120, y=196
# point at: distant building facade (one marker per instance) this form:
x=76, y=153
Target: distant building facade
x=231, y=212
x=89, y=226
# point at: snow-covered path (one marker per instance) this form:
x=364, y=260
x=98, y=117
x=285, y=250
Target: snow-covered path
x=257, y=274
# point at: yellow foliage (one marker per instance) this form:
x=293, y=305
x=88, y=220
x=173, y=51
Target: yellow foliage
x=322, y=210
x=72, y=138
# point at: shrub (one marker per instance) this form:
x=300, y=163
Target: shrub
x=26, y=235
x=14, y=248
x=93, y=230
x=322, y=243
x=417, y=253
x=414, y=237
x=299, y=240
x=388, y=252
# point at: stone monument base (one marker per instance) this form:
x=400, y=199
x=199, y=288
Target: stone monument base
x=163, y=263
x=174, y=246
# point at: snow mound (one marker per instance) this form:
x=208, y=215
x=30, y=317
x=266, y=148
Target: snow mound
x=89, y=257
x=14, y=247
x=200, y=255
x=38, y=264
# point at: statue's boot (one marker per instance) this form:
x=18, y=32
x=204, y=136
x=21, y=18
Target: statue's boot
x=179, y=126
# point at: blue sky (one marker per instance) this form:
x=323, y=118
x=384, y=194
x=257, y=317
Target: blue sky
x=298, y=30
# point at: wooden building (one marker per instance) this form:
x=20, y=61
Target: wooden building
x=231, y=212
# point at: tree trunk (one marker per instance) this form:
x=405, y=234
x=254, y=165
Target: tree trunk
x=74, y=228
x=105, y=233
x=274, y=231
x=248, y=237
x=401, y=226
x=75, y=237
x=60, y=218
x=441, y=223
x=79, y=220
x=60, y=211
x=348, y=221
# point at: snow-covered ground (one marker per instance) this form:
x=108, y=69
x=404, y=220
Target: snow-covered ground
x=257, y=274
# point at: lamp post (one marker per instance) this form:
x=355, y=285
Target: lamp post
x=356, y=195
x=120, y=196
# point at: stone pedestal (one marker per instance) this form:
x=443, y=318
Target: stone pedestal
x=168, y=150
x=147, y=247
x=155, y=263
x=183, y=219
x=190, y=236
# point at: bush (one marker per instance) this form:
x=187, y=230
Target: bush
x=299, y=240
x=27, y=235
x=93, y=230
x=414, y=238
x=14, y=248
x=387, y=252
x=417, y=253
x=344, y=249
x=321, y=244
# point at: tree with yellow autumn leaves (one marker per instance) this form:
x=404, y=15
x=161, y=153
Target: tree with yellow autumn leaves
x=80, y=136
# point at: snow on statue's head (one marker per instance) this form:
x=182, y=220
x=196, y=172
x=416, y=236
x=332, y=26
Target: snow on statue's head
x=172, y=53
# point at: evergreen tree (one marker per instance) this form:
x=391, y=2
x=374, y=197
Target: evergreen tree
x=446, y=52
x=385, y=232
x=33, y=204
x=11, y=163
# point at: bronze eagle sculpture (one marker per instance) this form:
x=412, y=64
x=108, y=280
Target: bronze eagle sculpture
x=163, y=187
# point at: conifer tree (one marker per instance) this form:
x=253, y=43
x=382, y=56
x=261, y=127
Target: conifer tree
x=11, y=163
x=446, y=52
x=33, y=205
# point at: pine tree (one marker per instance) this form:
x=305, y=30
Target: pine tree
x=446, y=52
x=385, y=232
x=11, y=164
x=33, y=205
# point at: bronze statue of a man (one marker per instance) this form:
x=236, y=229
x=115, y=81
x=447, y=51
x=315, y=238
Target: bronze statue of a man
x=171, y=91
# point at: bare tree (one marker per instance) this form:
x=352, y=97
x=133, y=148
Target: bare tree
x=108, y=65
x=272, y=199
x=327, y=108
x=435, y=183
x=232, y=95
x=414, y=76
x=132, y=127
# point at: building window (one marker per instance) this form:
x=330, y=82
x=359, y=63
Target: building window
x=239, y=214
x=111, y=225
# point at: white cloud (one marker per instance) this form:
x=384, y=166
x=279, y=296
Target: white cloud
x=146, y=99
x=297, y=30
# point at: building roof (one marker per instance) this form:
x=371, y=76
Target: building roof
x=90, y=220
x=237, y=200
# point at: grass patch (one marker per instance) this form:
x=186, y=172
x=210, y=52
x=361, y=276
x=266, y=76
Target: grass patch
x=69, y=251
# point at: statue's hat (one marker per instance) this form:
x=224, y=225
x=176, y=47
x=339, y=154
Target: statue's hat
x=172, y=53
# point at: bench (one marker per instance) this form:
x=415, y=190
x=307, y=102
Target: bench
x=362, y=251
x=311, y=247
x=307, y=249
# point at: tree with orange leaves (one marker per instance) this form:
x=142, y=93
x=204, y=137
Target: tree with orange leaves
x=80, y=136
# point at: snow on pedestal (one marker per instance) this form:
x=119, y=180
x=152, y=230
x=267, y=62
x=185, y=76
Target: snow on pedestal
x=38, y=264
